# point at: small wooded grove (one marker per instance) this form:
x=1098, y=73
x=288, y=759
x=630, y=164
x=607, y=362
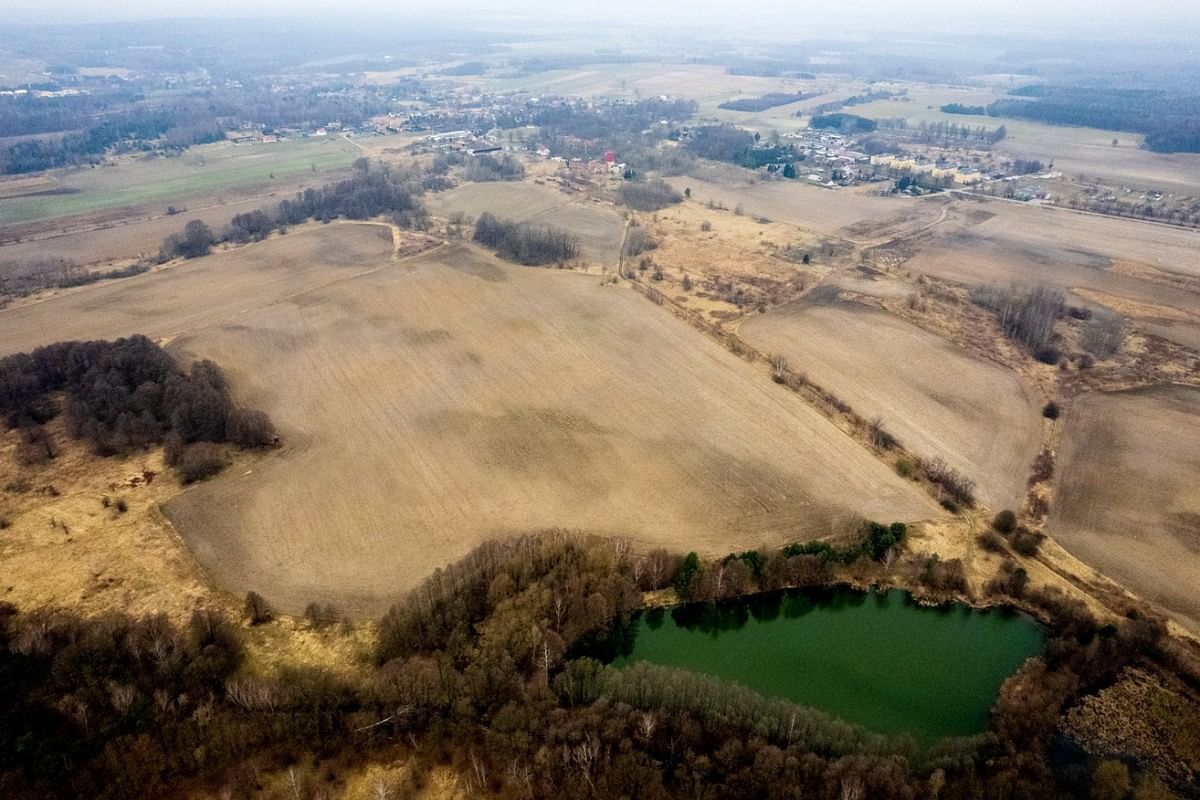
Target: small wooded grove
x=532, y=245
x=126, y=395
x=477, y=668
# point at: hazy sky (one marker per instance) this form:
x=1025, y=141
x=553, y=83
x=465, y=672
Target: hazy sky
x=720, y=11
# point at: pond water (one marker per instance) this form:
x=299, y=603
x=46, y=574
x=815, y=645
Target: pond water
x=877, y=659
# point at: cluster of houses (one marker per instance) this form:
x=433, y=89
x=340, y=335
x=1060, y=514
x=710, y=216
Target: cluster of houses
x=917, y=166
x=263, y=134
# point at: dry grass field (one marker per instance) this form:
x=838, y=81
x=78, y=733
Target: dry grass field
x=431, y=403
x=1144, y=270
x=599, y=228
x=859, y=214
x=934, y=398
x=1129, y=494
x=1147, y=271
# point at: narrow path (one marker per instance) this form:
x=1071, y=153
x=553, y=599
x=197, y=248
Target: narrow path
x=397, y=233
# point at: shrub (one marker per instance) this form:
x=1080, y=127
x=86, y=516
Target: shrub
x=1051, y=410
x=256, y=609
x=1027, y=542
x=1012, y=581
x=687, y=283
x=5, y=522
x=1103, y=334
x=1043, y=467
x=637, y=241
x=198, y=461
x=879, y=436
x=991, y=541
x=706, y=226
x=943, y=576
x=249, y=427
x=1025, y=315
x=959, y=488
x=35, y=446
x=1005, y=522
x=121, y=505
x=320, y=616
x=779, y=368
x=196, y=240
x=1079, y=312
x=905, y=467
x=1110, y=780
x=1048, y=355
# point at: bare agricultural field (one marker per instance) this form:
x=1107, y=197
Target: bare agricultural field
x=1128, y=494
x=432, y=405
x=934, y=398
x=599, y=228
x=429, y=404
x=182, y=297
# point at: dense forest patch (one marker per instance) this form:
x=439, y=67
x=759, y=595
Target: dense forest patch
x=123, y=396
x=1169, y=120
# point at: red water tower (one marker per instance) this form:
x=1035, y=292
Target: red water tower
x=610, y=157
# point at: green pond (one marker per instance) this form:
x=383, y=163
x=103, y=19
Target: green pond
x=877, y=659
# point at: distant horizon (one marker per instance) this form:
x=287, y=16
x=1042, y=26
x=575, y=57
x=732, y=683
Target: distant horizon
x=752, y=16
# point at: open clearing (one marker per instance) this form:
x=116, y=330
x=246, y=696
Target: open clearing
x=1129, y=493
x=429, y=404
x=598, y=228
x=933, y=397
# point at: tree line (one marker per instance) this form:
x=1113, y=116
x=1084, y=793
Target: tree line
x=122, y=396
x=372, y=190
x=766, y=101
